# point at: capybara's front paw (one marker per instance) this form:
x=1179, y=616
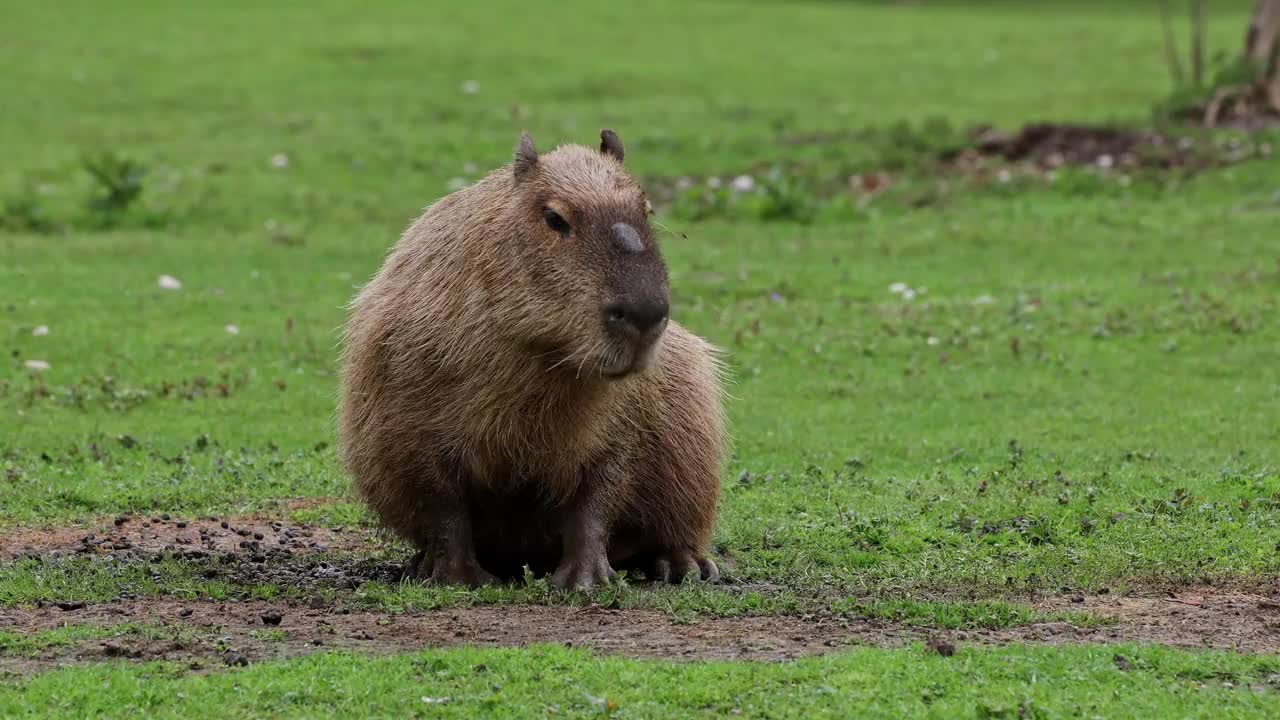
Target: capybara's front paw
x=675, y=565
x=583, y=573
x=456, y=572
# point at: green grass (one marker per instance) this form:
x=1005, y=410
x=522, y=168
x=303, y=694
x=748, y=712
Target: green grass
x=32, y=644
x=12, y=643
x=83, y=579
x=556, y=682
x=1082, y=394
x=963, y=615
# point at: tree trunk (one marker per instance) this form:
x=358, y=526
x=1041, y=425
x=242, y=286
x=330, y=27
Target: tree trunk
x=1262, y=50
x=1198, y=30
x=1171, y=46
x=1262, y=47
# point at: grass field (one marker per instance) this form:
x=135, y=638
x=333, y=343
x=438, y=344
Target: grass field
x=1078, y=396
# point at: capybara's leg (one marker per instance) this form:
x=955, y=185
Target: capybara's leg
x=677, y=518
x=450, y=544
x=419, y=566
x=427, y=504
x=584, y=531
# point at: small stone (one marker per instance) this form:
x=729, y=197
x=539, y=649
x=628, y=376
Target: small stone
x=1077, y=598
x=111, y=649
x=70, y=605
x=185, y=612
x=941, y=646
x=236, y=660
x=271, y=617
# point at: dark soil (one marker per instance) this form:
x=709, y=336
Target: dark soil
x=237, y=633
x=1053, y=145
x=150, y=535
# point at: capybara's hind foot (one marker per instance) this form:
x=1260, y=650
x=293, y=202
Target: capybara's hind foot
x=675, y=565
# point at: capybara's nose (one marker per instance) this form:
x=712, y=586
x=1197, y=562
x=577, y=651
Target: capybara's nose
x=642, y=317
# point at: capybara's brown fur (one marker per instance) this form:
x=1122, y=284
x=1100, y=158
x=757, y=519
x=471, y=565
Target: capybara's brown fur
x=513, y=393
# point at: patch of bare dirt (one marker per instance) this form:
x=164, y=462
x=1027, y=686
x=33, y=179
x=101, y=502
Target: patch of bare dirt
x=1192, y=617
x=238, y=633
x=164, y=533
x=1052, y=145
x=232, y=632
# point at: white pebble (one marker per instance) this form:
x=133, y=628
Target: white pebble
x=40, y=330
x=169, y=282
x=36, y=365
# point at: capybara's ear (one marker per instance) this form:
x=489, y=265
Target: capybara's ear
x=611, y=144
x=526, y=157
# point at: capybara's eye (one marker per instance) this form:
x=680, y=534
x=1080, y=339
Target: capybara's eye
x=555, y=222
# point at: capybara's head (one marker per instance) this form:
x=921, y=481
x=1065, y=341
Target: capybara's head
x=591, y=264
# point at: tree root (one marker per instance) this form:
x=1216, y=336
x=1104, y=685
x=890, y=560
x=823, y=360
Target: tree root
x=1264, y=98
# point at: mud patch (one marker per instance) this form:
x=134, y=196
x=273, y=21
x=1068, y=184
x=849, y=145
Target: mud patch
x=1054, y=145
x=221, y=634
x=244, y=632
x=164, y=533
x=1193, y=617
